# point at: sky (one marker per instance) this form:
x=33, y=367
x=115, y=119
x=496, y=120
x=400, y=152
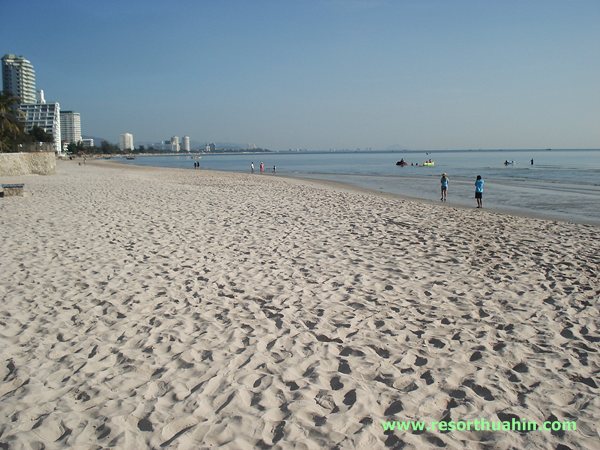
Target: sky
x=320, y=74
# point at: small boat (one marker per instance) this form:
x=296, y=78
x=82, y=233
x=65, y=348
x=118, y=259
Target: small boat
x=401, y=163
x=130, y=157
x=509, y=163
x=429, y=163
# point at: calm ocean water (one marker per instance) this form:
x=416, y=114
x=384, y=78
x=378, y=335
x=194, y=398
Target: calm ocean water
x=563, y=184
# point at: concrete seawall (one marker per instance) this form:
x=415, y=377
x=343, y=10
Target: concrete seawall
x=36, y=163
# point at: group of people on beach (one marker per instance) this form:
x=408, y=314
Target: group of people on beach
x=261, y=167
x=444, y=181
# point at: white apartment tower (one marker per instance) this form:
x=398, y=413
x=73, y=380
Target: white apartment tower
x=186, y=143
x=18, y=78
x=70, y=127
x=175, y=144
x=126, y=142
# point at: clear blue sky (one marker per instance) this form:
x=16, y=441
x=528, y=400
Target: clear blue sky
x=419, y=74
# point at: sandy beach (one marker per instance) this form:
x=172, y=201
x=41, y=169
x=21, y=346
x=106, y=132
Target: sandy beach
x=158, y=308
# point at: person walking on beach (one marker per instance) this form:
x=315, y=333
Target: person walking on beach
x=444, y=183
x=479, y=191
x=274, y=168
x=252, y=167
x=262, y=167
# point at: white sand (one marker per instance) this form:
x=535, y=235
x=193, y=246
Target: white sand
x=149, y=308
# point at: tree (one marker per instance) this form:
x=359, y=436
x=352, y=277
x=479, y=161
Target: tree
x=82, y=148
x=106, y=148
x=11, y=130
x=39, y=135
x=72, y=148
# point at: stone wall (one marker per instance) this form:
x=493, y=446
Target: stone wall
x=37, y=163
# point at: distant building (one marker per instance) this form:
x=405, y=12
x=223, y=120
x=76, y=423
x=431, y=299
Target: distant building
x=209, y=147
x=87, y=142
x=70, y=127
x=186, y=143
x=44, y=116
x=175, y=144
x=126, y=142
x=18, y=78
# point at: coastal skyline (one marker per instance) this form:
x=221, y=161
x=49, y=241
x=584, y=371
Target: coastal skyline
x=321, y=74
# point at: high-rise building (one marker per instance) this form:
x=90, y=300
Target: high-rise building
x=18, y=78
x=45, y=116
x=70, y=127
x=175, y=144
x=126, y=142
x=186, y=143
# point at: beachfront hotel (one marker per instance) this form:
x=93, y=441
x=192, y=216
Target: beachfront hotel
x=186, y=143
x=126, y=142
x=45, y=116
x=18, y=78
x=70, y=127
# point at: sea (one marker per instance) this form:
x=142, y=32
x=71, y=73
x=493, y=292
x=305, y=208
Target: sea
x=560, y=184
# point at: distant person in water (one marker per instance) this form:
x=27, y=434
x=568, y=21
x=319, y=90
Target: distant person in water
x=252, y=167
x=479, y=191
x=444, y=184
x=532, y=161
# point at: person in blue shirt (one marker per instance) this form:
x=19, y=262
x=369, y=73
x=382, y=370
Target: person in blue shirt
x=479, y=191
x=444, y=182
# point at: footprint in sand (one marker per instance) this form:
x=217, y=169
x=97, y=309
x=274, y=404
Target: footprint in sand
x=436, y=343
x=344, y=367
x=482, y=391
x=336, y=384
x=499, y=346
x=476, y=356
x=348, y=351
x=457, y=393
x=420, y=361
x=145, y=425
x=381, y=351
x=278, y=433
x=427, y=377
x=325, y=400
x=292, y=385
x=521, y=368
x=319, y=420
x=394, y=408
x=350, y=398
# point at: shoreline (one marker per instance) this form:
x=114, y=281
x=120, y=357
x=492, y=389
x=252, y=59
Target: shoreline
x=349, y=187
x=148, y=307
